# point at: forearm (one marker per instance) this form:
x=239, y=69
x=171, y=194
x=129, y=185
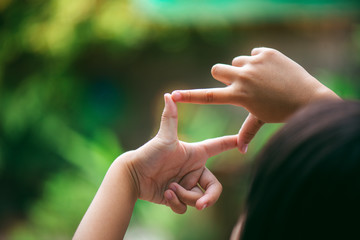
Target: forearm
x=109, y=213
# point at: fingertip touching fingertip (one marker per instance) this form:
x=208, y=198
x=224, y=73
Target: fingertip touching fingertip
x=168, y=98
x=176, y=96
x=167, y=95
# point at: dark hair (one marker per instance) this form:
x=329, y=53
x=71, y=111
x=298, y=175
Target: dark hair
x=307, y=178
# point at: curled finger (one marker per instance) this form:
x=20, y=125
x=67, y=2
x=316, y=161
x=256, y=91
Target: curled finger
x=212, y=187
x=240, y=61
x=189, y=197
x=174, y=203
x=224, y=73
x=248, y=131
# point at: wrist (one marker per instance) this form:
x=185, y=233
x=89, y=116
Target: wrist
x=316, y=91
x=324, y=93
x=125, y=165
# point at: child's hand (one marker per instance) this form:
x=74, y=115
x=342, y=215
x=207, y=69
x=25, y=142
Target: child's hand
x=165, y=160
x=268, y=84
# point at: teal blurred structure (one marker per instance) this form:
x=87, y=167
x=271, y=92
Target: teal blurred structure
x=234, y=11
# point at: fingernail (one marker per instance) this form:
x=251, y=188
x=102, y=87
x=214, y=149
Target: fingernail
x=176, y=96
x=244, y=148
x=172, y=187
x=204, y=207
x=168, y=195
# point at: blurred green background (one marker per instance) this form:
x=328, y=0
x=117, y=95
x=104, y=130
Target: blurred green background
x=81, y=81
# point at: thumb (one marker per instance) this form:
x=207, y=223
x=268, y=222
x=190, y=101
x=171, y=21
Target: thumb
x=247, y=132
x=169, y=119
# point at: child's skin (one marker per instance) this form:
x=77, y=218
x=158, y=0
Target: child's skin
x=166, y=171
x=268, y=84
x=147, y=173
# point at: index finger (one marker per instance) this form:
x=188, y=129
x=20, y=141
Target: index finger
x=218, y=145
x=203, y=96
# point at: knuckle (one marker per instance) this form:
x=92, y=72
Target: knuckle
x=167, y=116
x=256, y=50
x=238, y=92
x=246, y=73
x=209, y=96
x=259, y=123
x=252, y=73
x=249, y=135
x=223, y=145
x=269, y=52
x=164, y=116
x=256, y=59
x=187, y=95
